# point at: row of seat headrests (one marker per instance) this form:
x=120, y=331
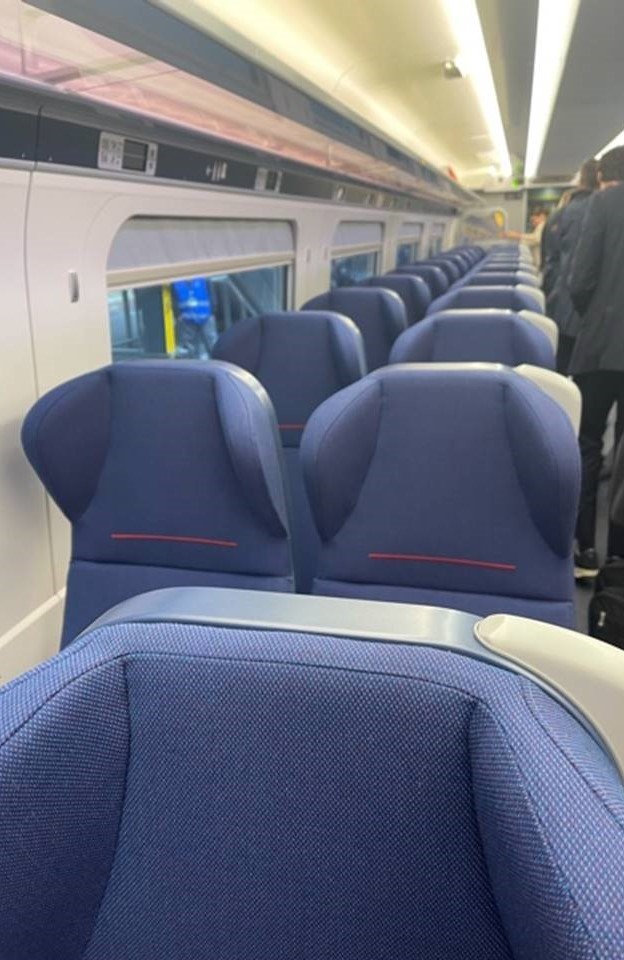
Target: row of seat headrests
x=423, y=290
x=433, y=484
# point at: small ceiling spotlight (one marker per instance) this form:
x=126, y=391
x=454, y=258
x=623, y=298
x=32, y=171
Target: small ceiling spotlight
x=454, y=69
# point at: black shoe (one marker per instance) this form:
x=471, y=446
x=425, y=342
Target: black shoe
x=586, y=565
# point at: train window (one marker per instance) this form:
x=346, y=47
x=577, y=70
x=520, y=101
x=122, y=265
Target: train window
x=176, y=285
x=408, y=249
x=355, y=252
x=436, y=238
x=349, y=270
x=183, y=319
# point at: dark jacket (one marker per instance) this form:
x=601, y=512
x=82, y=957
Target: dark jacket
x=596, y=284
x=551, y=258
x=565, y=243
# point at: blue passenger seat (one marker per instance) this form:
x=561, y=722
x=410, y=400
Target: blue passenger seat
x=178, y=785
x=301, y=358
x=500, y=298
x=474, y=335
x=379, y=314
x=170, y=474
x=452, y=267
x=456, y=487
x=434, y=277
x=508, y=278
x=413, y=291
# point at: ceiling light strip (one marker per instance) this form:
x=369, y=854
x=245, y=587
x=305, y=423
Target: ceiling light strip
x=555, y=24
x=463, y=17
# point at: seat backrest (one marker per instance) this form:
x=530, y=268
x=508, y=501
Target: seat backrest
x=437, y=484
x=412, y=290
x=434, y=277
x=500, y=298
x=300, y=358
x=168, y=794
x=452, y=267
x=379, y=314
x=457, y=336
x=503, y=279
x=496, y=264
x=170, y=474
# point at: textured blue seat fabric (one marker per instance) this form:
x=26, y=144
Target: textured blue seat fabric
x=380, y=315
x=190, y=792
x=170, y=474
x=457, y=336
x=300, y=358
x=462, y=483
x=498, y=278
x=499, y=298
x=450, y=267
x=434, y=277
x=412, y=290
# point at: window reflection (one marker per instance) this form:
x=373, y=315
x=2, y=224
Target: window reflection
x=183, y=319
x=350, y=270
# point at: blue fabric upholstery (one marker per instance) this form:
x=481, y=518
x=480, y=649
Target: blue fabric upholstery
x=300, y=358
x=461, y=482
x=412, y=290
x=511, y=278
x=498, y=298
x=463, y=260
x=453, y=267
x=435, y=278
x=168, y=473
x=189, y=791
x=497, y=336
x=379, y=314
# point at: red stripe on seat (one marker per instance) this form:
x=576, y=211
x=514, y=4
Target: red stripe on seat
x=291, y=426
x=454, y=561
x=203, y=541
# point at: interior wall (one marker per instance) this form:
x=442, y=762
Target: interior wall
x=55, y=223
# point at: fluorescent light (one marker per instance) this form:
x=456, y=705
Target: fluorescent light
x=555, y=24
x=463, y=18
x=616, y=142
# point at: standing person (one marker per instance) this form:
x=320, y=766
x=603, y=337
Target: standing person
x=569, y=224
x=596, y=285
x=533, y=240
x=196, y=321
x=551, y=252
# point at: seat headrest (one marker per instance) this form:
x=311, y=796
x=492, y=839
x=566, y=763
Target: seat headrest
x=440, y=433
x=434, y=277
x=453, y=267
x=122, y=447
x=507, y=298
x=379, y=314
x=300, y=357
x=496, y=336
x=412, y=290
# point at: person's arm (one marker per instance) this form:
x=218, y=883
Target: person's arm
x=587, y=259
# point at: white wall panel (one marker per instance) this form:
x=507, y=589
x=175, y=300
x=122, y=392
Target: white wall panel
x=25, y=563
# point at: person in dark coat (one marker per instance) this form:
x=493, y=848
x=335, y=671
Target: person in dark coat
x=563, y=247
x=596, y=285
x=551, y=252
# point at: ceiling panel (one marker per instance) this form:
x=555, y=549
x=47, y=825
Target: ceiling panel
x=382, y=61
x=510, y=30
x=590, y=108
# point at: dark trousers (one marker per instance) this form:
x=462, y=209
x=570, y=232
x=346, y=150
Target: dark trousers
x=564, y=353
x=600, y=391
